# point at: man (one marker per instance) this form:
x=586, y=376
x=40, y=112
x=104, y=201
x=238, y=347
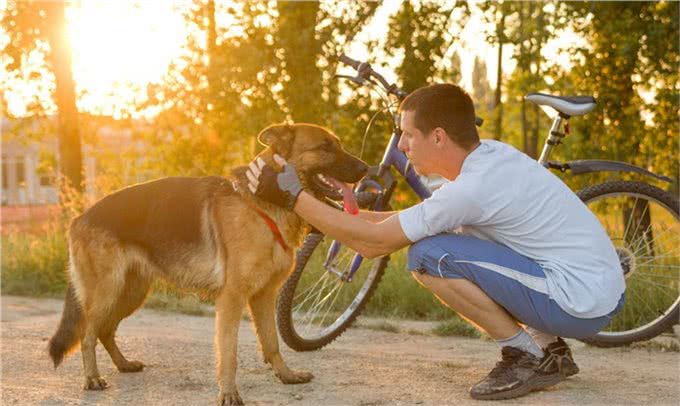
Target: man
x=504, y=243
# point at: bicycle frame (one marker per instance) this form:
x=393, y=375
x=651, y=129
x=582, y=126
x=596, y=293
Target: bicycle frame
x=392, y=157
x=583, y=166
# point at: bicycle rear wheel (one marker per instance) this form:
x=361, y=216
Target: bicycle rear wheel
x=643, y=224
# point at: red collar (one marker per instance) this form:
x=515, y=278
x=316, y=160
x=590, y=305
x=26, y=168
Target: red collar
x=272, y=225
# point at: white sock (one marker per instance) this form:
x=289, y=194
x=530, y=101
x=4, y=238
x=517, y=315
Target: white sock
x=524, y=342
x=541, y=338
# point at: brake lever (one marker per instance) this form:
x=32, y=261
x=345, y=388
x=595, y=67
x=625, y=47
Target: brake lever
x=359, y=81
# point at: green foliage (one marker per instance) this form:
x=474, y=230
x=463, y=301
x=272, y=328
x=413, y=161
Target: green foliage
x=421, y=32
x=629, y=53
x=399, y=295
x=265, y=68
x=34, y=265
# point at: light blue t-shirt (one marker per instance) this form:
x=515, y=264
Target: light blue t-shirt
x=504, y=196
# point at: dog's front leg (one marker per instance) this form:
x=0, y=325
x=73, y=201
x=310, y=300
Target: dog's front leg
x=228, y=309
x=262, y=310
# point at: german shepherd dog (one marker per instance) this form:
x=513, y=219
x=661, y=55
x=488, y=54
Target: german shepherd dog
x=205, y=233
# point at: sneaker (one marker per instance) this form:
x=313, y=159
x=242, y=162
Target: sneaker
x=517, y=374
x=558, y=357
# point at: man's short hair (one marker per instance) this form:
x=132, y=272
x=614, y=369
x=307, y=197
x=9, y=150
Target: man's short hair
x=446, y=106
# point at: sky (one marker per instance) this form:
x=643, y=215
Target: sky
x=120, y=46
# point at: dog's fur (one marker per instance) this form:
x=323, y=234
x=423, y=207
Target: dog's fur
x=199, y=233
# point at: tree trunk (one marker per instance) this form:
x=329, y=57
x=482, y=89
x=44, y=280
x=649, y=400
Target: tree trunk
x=522, y=37
x=297, y=36
x=71, y=161
x=499, y=77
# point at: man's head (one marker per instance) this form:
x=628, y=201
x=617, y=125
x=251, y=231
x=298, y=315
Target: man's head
x=438, y=125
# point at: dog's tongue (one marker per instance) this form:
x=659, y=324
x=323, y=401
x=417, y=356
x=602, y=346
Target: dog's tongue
x=349, y=203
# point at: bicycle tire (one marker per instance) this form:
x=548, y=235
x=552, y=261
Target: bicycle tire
x=671, y=315
x=286, y=300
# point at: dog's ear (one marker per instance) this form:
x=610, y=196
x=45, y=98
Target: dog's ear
x=278, y=137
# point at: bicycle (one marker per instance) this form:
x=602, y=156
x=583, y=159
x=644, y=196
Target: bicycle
x=641, y=220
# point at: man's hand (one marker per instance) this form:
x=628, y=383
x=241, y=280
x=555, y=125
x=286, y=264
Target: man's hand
x=279, y=188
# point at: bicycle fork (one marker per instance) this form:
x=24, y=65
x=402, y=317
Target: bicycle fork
x=330, y=266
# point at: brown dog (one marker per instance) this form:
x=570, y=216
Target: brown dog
x=206, y=233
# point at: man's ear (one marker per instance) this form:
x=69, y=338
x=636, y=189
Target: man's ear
x=439, y=135
x=278, y=137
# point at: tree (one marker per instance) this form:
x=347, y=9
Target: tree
x=482, y=93
x=30, y=26
x=274, y=63
x=629, y=52
x=421, y=32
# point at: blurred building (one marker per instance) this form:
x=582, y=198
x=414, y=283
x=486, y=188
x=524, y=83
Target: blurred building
x=28, y=165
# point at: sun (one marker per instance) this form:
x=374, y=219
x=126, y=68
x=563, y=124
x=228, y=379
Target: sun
x=118, y=47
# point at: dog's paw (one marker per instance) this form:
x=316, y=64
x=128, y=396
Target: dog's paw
x=95, y=383
x=131, y=366
x=295, y=377
x=228, y=399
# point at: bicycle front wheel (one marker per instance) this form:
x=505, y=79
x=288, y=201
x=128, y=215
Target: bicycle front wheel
x=643, y=224
x=318, y=302
x=326, y=291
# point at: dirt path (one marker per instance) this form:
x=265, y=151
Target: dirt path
x=364, y=367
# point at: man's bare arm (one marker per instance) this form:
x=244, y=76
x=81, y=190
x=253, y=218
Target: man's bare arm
x=369, y=239
x=376, y=216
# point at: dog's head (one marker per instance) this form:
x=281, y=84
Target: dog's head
x=316, y=154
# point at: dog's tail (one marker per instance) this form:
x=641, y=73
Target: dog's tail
x=69, y=332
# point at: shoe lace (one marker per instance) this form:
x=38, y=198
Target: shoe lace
x=509, y=358
x=553, y=359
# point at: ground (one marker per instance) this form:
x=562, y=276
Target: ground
x=364, y=367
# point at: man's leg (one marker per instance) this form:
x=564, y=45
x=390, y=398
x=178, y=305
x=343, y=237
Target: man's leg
x=493, y=287
x=473, y=304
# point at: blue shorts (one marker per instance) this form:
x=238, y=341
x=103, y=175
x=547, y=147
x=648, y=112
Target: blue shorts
x=505, y=276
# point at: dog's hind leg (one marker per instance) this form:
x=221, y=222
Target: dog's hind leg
x=228, y=309
x=262, y=309
x=103, y=284
x=130, y=299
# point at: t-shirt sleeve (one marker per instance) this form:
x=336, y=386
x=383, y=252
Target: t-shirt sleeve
x=449, y=207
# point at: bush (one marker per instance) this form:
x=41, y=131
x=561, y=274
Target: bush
x=34, y=264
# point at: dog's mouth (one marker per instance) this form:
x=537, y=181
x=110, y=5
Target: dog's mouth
x=332, y=187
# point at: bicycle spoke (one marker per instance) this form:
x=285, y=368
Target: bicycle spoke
x=653, y=275
x=649, y=236
x=638, y=248
x=630, y=219
x=325, y=275
x=314, y=309
x=330, y=306
x=640, y=220
x=657, y=257
x=655, y=284
x=318, y=291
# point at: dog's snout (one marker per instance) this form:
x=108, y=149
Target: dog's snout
x=357, y=168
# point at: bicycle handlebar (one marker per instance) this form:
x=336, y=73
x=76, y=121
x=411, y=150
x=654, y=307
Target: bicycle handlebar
x=364, y=71
x=349, y=61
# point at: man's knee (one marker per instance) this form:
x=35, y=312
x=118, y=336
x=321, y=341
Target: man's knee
x=420, y=276
x=417, y=253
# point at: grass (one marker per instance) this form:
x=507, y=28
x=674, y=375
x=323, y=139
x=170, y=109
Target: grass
x=34, y=264
x=400, y=296
x=165, y=297
x=383, y=326
x=456, y=327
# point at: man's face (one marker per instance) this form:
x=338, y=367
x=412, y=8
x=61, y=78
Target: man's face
x=417, y=146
